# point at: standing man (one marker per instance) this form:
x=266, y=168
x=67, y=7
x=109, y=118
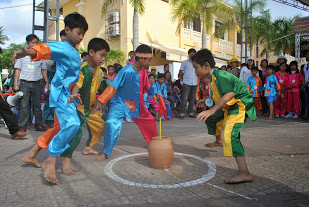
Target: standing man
x=187, y=73
x=30, y=74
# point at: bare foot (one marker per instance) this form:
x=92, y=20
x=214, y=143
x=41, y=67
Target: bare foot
x=31, y=160
x=66, y=167
x=50, y=171
x=270, y=118
x=101, y=158
x=89, y=151
x=214, y=144
x=240, y=178
x=30, y=157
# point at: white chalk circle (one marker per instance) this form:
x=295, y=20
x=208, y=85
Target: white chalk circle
x=211, y=173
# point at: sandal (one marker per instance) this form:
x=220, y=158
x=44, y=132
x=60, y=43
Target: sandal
x=181, y=117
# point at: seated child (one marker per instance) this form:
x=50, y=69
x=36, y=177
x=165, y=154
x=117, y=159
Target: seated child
x=272, y=89
x=230, y=101
x=110, y=73
x=202, y=92
x=152, y=99
x=254, y=85
x=162, y=90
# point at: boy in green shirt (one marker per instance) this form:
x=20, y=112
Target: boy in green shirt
x=229, y=100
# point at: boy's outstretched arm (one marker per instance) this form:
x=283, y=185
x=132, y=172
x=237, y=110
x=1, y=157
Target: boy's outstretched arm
x=23, y=52
x=104, y=98
x=203, y=116
x=74, y=94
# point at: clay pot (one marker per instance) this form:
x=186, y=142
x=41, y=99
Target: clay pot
x=161, y=152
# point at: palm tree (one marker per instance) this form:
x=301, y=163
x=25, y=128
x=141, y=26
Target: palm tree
x=115, y=56
x=233, y=21
x=3, y=37
x=263, y=33
x=139, y=9
x=275, y=36
x=184, y=11
x=283, y=34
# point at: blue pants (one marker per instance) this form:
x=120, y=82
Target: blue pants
x=145, y=122
x=69, y=125
x=169, y=111
x=171, y=100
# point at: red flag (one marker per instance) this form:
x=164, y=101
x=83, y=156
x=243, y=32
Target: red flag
x=163, y=110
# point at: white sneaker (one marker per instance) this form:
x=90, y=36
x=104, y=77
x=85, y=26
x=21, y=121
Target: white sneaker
x=282, y=116
x=277, y=116
x=295, y=116
x=289, y=115
x=129, y=120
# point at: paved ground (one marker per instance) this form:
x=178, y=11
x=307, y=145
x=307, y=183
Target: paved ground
x=277, y=154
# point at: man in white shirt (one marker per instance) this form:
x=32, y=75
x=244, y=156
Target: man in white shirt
x=30, y=74
x=187, y=73
x=245, y=72
x=306, y=83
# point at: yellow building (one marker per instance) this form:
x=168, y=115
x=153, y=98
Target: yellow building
x=155, y=29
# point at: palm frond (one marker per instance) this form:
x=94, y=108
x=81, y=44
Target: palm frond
x=107, y=4
x=138, y=5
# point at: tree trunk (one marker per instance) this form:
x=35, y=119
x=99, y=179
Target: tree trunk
x=204, y=34
x=204, y=39
x=267, y=56
x=135, y=31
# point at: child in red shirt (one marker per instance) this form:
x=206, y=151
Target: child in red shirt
x=293, y=89
x=283, y=77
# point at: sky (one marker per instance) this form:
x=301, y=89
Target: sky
x=17, y=22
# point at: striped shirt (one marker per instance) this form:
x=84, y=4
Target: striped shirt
x=30, y=70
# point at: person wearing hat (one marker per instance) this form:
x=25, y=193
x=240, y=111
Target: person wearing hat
x=234, y=63
x=245, y=71
x=154, y=72
x=281, y=59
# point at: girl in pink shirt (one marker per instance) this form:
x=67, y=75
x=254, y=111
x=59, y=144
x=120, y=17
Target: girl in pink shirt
x=293, y=88
x=110, y=73
x=283, y=77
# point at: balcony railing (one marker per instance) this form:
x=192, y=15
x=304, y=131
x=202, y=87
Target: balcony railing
x=195, y=36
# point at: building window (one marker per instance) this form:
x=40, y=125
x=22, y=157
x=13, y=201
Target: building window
x=197, y=25
x=217, y=27
x=194, y=25
x=238, y=38
x=189, y=25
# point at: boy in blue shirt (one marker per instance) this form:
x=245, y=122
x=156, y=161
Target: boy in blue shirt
x=272, y=89
x=162, y=90
x=68, y=67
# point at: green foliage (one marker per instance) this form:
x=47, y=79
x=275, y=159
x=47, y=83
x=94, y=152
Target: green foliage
x=81, y=50
x=7, y=54
x=275, y=35
x=138, y=5
x=3, y=37
x=115, y=56
x=184, y=11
